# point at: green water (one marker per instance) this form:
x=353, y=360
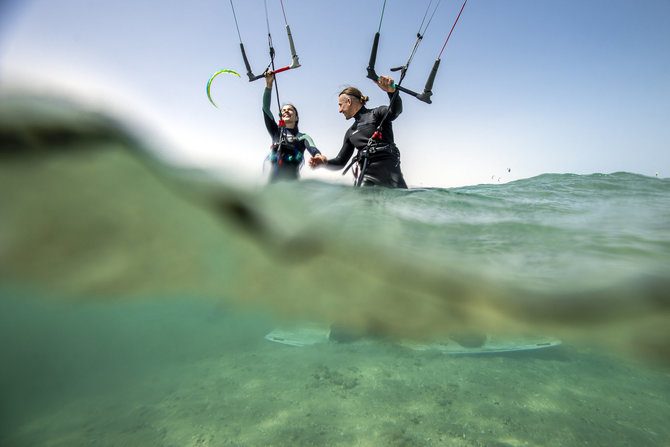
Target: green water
x=187, y=372
x=135, y=297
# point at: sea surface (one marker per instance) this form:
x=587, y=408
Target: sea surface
x=135, y=297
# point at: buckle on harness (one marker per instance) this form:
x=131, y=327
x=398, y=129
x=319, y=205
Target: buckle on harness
x=363, y=155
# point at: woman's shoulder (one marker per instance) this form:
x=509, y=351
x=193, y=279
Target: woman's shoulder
x=302, y=136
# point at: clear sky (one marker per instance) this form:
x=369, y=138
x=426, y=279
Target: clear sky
x=534, y=86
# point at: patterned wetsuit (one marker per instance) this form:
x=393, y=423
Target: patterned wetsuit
x=383, y=157
x=288, y=145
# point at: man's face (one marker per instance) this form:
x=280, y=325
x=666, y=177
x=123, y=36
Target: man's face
x=346, y=106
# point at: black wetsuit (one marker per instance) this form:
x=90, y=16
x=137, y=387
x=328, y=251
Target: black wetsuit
x=288, y=146
x=382, y=167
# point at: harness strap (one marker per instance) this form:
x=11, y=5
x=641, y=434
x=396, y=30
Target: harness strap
x=363, y=156
x=282, y=152
x=361, y=174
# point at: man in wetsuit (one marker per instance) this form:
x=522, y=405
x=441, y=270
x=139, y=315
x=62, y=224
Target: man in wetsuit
x=288, y=144
x=378, y=158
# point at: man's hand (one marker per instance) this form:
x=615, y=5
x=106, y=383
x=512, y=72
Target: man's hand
x=317, y=161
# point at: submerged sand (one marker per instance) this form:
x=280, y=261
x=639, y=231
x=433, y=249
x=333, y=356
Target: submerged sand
x=208, y=378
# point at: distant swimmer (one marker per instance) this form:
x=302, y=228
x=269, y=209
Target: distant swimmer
x=378, y=159
x=288, y=144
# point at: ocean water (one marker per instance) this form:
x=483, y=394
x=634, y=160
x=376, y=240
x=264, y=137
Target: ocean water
x=135, y=297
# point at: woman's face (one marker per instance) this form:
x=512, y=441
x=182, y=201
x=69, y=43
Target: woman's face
x=289, y=116
x=346, y=106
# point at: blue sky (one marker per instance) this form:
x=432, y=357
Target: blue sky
x=528, y=85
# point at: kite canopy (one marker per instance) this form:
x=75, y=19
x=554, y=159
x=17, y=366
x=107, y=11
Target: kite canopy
x=209, y=83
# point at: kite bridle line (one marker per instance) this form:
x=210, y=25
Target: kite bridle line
x=272, y=62
x=295, y=63
x=419, y=38
x=427, y=90
x=250, y=74
x=452, y=30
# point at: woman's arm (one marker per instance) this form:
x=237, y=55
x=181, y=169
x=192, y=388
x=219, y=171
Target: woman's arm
x=270, y=123
x=308, y=143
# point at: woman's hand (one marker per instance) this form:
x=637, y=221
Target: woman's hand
x=269, y=78
x=317, y=160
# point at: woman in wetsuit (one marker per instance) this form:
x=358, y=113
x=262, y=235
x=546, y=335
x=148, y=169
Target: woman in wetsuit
x=378, y=158
x=288, y=145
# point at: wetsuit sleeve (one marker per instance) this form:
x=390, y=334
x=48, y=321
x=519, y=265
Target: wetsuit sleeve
x=270, y=123
x=345, y=154
x=309, y=144
x=396, y=106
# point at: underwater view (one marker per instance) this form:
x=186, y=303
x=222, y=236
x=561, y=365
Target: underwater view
x=143, y=304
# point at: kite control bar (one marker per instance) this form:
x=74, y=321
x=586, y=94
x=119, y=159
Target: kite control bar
x=427, y=90
x=294, y=64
